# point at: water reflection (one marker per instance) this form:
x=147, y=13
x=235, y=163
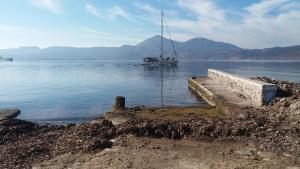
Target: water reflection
x=164, y=68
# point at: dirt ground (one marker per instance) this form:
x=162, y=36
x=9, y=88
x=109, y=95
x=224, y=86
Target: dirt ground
x=144, y=153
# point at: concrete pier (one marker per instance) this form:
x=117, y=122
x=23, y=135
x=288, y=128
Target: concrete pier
x=225, y=88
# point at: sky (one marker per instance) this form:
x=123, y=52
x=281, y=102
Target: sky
x=89, y=23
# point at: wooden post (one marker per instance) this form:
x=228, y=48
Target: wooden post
x=120, y=103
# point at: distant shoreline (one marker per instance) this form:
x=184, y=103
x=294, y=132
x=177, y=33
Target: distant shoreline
x=196, y=48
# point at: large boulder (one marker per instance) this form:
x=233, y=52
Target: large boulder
x=7, y=114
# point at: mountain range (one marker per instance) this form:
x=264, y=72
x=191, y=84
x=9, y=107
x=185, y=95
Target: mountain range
x=193, y=49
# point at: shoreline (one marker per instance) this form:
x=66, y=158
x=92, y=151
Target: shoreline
x=249, y=135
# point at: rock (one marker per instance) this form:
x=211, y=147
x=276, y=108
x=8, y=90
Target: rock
x=98, y=120
x=295, y=106
x=244, y=152
x=98, y=144
x=68, y=125
x=7, y=114
x=265, y=155
x=112, y=140
x=261, y=121
x=287, y=155
x=242, y=116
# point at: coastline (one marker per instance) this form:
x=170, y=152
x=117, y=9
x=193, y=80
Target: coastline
x=249, y=137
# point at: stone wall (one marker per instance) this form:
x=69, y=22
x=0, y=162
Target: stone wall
x=260, y=92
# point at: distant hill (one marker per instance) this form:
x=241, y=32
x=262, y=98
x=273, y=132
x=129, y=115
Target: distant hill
x=194, y=49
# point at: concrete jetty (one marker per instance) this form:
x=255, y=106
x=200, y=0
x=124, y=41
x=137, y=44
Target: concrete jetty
x=224, y=88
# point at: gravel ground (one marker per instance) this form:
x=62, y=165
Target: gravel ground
x=143, y=153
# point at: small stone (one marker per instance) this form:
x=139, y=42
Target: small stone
x=244, y=152
x=287, y=155
x=112, y=140
x=282, y=100
x=265, y=155
x=68, y=125
x=98, y=144
x=295, y=106
x=242, y=116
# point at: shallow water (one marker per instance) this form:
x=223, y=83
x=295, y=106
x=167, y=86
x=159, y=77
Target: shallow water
x=80, y=90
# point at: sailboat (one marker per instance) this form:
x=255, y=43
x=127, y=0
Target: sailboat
x=153, y=61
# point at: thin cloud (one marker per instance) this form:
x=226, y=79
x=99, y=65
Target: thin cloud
x=204, y=8
x=93, y=10
x=266, y=23
x=93, y=31
x=111, y=13
x=264, y=6
x=152, y=15
x=53, y=6
x=117, y=11
x=146, y=7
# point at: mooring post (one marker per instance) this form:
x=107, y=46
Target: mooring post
x=120, y=103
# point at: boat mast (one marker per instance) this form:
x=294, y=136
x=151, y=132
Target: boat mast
x=162, y=34
x=161, y=60
x=174, y=50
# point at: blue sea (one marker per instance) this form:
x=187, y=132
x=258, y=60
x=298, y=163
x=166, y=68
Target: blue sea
x=75, y=91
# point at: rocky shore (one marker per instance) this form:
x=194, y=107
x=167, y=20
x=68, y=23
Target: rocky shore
x=267, y=137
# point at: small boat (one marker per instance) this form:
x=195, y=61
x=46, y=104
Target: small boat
x=155, y=61
x=6, y=59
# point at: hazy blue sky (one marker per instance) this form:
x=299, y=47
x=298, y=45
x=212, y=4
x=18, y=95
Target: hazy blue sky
x=246, y=23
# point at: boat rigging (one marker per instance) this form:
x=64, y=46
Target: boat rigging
x=153, y=61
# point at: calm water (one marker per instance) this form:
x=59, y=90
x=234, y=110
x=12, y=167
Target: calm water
x=80, y=90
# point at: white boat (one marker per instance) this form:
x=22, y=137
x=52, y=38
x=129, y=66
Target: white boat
x=6, y=59
x=161, y=60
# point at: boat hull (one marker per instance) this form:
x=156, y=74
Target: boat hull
x=7, y=59
x=171, y=63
